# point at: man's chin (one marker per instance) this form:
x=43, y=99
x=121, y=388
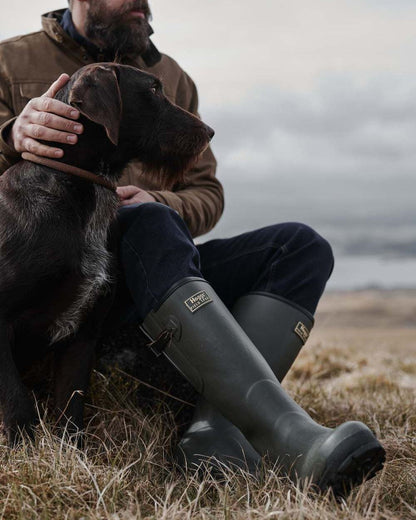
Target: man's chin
x=125, y=36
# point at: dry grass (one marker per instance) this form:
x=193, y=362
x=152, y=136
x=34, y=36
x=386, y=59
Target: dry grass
x=125, y=470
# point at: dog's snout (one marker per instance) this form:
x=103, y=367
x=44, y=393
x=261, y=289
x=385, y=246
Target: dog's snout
x=210, y=132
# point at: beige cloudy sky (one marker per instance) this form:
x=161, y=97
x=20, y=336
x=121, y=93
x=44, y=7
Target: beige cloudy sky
x=321, y=86
x=310, y=87
x=231, y=46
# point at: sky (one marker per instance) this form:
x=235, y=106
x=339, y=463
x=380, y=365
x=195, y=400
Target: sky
x=310, y=87
x=313, y=103
x=320, y=86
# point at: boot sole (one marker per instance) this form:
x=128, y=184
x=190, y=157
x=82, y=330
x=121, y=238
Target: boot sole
x=215, y=461
x=342, y=475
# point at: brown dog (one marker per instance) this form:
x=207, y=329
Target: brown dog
x=56, y=262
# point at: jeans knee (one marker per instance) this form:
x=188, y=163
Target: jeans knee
x=317, y=251
x=321, y=251
x=326, y=255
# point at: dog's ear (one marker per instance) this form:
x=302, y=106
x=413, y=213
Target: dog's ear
x=96, y=94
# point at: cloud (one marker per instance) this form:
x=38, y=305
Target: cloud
x=339, y=128
x=233, y=48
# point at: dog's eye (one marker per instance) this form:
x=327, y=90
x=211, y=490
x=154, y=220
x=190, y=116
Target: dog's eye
x=153, y=90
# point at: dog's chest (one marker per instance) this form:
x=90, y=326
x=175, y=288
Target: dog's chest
x=95, y=262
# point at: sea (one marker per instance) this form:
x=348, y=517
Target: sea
x=370, y=221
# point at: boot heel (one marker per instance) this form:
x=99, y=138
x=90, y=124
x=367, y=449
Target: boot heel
x=354, y=459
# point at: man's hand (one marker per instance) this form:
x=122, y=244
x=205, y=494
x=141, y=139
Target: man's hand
x=133, y=195
x=47, y=119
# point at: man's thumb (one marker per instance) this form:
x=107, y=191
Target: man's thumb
x=56, y=86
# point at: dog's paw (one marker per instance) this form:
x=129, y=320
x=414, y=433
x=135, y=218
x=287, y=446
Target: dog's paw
x=21, y=424
x=19, y=430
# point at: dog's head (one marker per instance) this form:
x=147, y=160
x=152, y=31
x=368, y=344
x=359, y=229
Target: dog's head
x=138, y=120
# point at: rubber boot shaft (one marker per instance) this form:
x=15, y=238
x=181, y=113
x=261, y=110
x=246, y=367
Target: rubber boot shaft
x=278, y=328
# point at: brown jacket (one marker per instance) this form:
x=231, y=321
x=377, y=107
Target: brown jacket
x=30, y=63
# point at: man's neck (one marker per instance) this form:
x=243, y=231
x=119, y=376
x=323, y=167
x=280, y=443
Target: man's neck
x=79, y=15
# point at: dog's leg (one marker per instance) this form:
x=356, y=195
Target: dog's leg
x=74, y=361
x=19, y=413
x=73, y=365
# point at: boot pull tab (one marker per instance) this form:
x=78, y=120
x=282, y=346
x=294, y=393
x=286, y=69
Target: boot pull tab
x=164, y=339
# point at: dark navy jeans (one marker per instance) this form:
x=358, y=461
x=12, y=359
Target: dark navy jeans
x=156, y=251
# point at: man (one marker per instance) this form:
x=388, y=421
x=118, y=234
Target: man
x=270, y=279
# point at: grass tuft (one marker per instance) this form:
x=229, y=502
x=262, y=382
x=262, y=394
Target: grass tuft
x=125, y=471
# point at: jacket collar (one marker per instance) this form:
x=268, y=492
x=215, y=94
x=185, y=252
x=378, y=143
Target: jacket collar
x=68, y=26
x=58, y=25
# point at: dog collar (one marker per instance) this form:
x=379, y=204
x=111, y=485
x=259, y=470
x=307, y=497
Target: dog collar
x=68, y=168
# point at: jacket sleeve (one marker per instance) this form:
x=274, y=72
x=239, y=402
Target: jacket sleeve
x=200, y=201
x=8, y=156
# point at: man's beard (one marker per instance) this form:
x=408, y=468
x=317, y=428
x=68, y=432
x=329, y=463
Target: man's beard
x=117, y=34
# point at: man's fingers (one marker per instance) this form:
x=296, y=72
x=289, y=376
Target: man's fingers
x=56, y=86
x=56, y=122
x=47, y=134
x=47, y=104
x=46, y=119
x=36, y=148
x=127, y=191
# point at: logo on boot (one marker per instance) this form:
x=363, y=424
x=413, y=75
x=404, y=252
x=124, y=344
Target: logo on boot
x=197, y=301
x=302, y=331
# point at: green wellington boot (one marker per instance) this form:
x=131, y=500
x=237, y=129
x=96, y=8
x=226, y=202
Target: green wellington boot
x=278, y=329
x=205, y=343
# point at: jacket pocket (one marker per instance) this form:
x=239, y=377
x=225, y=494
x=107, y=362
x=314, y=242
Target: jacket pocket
x=22, y=93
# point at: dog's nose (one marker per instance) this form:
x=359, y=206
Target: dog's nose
x=210, y=132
